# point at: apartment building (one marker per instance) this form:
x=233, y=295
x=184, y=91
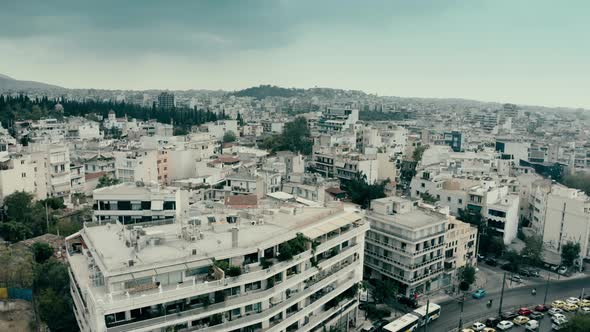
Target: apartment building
x=134, y=203
x=335, y=119
x=344, y=165
x=460, y=248
x=495, y=199
x=53, y=168
x=405, y=244
x=77, y=178
x=19, y=172
x=136, y=165
x=218, y=128
x=560, y=214
x=287, y=269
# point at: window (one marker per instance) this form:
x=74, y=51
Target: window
x=449, y=199
x=24, y=175
x=460, y=201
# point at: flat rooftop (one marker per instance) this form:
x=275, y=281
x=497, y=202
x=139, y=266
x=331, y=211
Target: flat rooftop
x=110, y=242
x=418, y=218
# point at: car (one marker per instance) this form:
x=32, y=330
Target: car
x=558, y=317
x=536, y=315
x=489, y=329
x=492, y=321
x=557, y=304
x=554, y=311
x=504, y=325
x=467, y=330
x=508, y=267
x=478, y=294
x=491, y=262
x=520, y=320
x=541, y=308
x=558, y=325
x=531, y=325
x=570, y=307
x=534, y=273
x=562, y=270
x=573, y=300
x=584, y=303
x=584, y=311
x=409, y=301
x=477, y=326
x=506, y=315
x=524, y=273
x=515, y=278
x=524, y=311
x=480, y=257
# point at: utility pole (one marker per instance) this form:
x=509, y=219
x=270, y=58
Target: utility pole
x=461, y=314
x=546, y=289
x=427, y=315
x=502, y=295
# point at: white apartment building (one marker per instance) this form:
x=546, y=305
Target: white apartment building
x=222, y=270
x=560, y=214
x=344, y=165
x=218, y=128
x=20, y=173
x=136, y=165
x=53, y=168
x=131, y=203
x=494, y=199
x=405, y=244
x=77, y=178
x=335, y=119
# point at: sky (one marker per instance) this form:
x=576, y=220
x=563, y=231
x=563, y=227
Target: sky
x=522, y=51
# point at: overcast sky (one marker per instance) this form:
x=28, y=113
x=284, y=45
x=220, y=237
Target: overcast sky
x=523, y=51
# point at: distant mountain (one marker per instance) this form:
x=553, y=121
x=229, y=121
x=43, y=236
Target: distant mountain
x=10, y=84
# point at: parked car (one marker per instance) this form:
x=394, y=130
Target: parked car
x=585, y=311
x=559, y=324
x=520, y=320
x=515, y=278
x=409, y=301
x=570, y=307
x=506, y=315
x=478, y=294
x=562, y=270
x=584, y=303
x=477, y=326
x=554, y=311
x=541, y=308
x=492, y=321
x=504, y=325
x=572, y=300
x=467, y=330
x=531, y=325
x=524, y=311
x=557, y=304
x=557, y=317
x=536, y=315
x=480, y=257
x=534, y=273
x=491, y=262
x=508, y=267
x=489, y=329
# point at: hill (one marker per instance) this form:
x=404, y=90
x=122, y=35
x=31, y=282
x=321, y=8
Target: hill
x=263, y=91
x=10, y=84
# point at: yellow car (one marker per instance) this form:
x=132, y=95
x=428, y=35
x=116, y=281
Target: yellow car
x=467, y=330
x=557, y=304
x=570, y=307
x=520, y=320
x=489, y=329
x=584, y=303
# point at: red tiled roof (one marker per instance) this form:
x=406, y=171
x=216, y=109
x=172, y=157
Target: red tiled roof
x=228, y=159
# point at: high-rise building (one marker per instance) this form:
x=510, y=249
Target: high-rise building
x=166, y=100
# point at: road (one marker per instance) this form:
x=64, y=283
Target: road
x=514, y=297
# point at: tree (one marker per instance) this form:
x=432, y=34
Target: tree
x=240, y=119
x=229, y=137
x=428, y=198
x=578, y=181
x=107, y=181
x=180, y=131
x=361, y=192
x=18, y=205
x=14, y=231
x=42, y=252
x=578, y=323
x=569, y=253
x=296, y=136
x=51, y=286
x=467, y=277
x=418, y=152
x=533, y=249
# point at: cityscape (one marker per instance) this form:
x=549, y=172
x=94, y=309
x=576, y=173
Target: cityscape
x=227, y=179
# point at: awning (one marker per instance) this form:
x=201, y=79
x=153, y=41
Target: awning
x=157, y=205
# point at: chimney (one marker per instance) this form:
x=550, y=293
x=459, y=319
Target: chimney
x=234, y=237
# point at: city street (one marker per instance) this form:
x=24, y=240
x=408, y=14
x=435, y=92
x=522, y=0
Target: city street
x=475, y=309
